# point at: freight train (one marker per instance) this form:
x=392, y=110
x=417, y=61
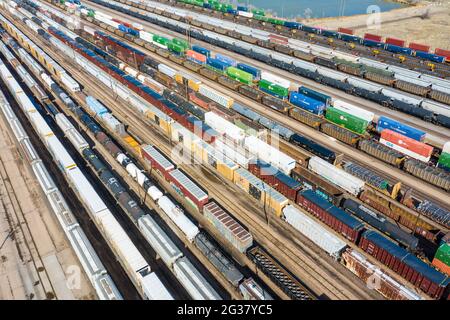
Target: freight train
x=257, y=18
x=424, y=109
x=101, y=281
x=130, y=258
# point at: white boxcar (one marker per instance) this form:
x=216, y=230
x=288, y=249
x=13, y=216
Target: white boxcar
x=113, y=124
x=275, y=79
x=224, y=127
x=193, y=281
x=154, y=289
x=403, y=71
x=245, y=14
x=353, y=110
x=159, y=240
x=235, y=154
x=336, y=75
x=178, y=217
x=43, y=177
x=373, y=63
x=123, y=246
x=215, y=96
x=91, y=199
x=305, y=65
x=314, y=231
x=436, y=107
x=270, y=154
x=106, y=289
x=63, y=123
x=401, y=96
x=335, y=175
x=167, y=70
x=60, y=154
x=414, y=80
x=76, y=139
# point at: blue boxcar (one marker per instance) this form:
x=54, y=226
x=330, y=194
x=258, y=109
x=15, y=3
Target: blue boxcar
x=232, y=11
x=328, y=33
x=315, y=95
x=201, y=50
x=226, y=59
x=430, y=56
x=371, y=43
x=252, y=70
x=242, y=8
x=246, y=112
x=350, y=38
x=95, y=105
x=307, y=103
x=410, y=132
x=398, y=49
x=206, y=5
x=217, y=64
x=310, y=29
x=313, y=147
x=292, y=25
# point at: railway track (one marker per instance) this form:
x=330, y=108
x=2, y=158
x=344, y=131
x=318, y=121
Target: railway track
x=23, y=238
x=273, y=243
x=423, y=190
x=439, y=134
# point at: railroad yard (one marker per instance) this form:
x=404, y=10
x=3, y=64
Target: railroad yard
x=197, y=150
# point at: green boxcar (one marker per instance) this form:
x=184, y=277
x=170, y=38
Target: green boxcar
x=346, y=120
x=273, y=89
x=275, y=21
x=444, y=159
x=176, y=48
x=91, y=13
x=239, y=75
x=181, y=43
x=443, y=254
x=161, y=40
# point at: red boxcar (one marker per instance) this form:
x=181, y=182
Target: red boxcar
x=373, y=37
x=415, y=146
x=395, y=42
x=419, y=47
x=157, y=160
x=278, y=39
x=188, y=188
x=331, y=215
x=196, y=99
x=431, y=281
x=345, y=30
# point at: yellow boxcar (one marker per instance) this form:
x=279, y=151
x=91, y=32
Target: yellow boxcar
x=133, y=143
x=207, y=154
x=183, y=138
x=241, y=179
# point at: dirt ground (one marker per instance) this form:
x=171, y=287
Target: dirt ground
x=426, y=22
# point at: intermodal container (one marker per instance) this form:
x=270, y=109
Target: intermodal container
x=346, y=120
x=217, y=64
x=395, y=42
x=408, y=146
x=345, y=30
x=419, y=47
x=273, y=89
x=315, y=95
x=226, y=59
x=373, y=37
x=195, y=56
x=201, y=50
x=442, y=258
x=442, y=52
x=444, y=161
x=307, y=103
x=240, y=75
x=249, y=69
x=408, y=131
